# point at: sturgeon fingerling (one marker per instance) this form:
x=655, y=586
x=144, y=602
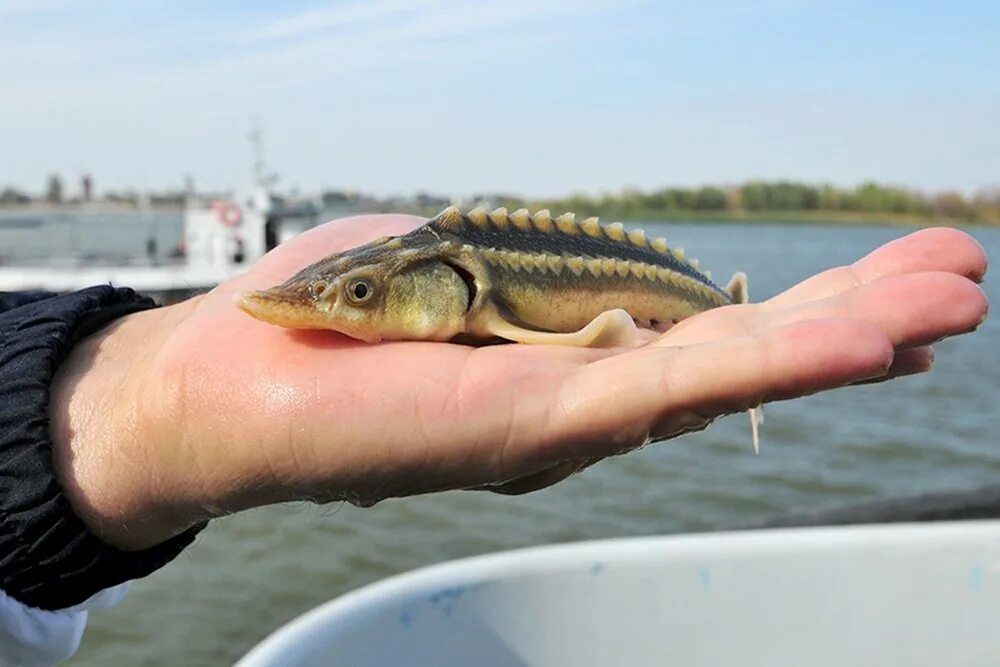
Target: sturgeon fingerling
x=520, y=277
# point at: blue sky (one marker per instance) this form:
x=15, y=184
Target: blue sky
x=529, y=96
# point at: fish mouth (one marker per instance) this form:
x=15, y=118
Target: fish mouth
x=281, y=308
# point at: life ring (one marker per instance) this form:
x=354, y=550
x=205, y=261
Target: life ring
x=229, y=214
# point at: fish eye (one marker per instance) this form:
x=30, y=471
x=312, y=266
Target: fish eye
x=359, y=290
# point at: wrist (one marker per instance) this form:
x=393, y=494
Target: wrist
x=103, y=449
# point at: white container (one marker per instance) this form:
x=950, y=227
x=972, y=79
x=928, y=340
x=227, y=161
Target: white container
x=921, y=594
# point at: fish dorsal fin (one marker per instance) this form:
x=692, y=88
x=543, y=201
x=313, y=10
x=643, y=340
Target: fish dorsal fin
x=737, y=288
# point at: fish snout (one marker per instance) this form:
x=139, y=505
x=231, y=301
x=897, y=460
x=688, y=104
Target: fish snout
x=277, y=306
x=256, y=302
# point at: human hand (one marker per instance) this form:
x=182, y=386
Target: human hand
x=197, y=410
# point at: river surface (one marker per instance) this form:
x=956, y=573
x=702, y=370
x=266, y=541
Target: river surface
x=246, y=575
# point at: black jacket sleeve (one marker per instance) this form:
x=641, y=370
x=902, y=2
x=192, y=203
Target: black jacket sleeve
x=48, y=558
x=10, y=300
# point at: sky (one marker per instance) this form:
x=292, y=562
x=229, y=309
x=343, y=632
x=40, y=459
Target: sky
x=531, y=97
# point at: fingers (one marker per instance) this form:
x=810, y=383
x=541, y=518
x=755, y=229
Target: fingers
x=619, y=401
x=938, y=249
x=935, y=249
x=929, y=250
x=908, y=362
x=536, y=481
x=912, y=309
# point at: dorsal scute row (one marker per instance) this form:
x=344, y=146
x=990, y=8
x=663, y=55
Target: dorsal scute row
x=452, y=219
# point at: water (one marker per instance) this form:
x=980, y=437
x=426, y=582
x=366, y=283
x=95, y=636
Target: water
x=248, y=574
x=36, y=237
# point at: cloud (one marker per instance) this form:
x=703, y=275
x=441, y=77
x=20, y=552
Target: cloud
x=409, y=20
x=78, y=54
x=305, y=23
x=23, y=8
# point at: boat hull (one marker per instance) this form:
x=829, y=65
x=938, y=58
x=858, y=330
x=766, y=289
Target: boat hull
x=859, y=595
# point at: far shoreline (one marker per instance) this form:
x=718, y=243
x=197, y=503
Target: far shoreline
x=807, y=218
x=736, y=217
x=741, y=217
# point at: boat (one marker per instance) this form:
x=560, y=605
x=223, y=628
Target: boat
x=879, y=594
x=221, y=238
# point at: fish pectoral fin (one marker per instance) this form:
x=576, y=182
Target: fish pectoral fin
x=612, y=328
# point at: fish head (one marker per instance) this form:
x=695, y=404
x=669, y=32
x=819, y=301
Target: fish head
x=385, y=290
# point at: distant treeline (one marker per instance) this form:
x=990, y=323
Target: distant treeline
x=760, y=197
x=756, y=200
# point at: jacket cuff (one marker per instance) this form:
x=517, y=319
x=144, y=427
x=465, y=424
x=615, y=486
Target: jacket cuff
x=48, y=557
x=10, y=300
x=30, y=636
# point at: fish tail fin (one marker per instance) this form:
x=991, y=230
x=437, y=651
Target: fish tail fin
x=756, y=420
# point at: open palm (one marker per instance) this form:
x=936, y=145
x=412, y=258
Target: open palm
x=274, y=414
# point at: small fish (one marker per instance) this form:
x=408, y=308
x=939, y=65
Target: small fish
x=521, y=277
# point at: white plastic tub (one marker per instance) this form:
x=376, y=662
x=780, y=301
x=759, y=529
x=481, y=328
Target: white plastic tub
x=871, y=595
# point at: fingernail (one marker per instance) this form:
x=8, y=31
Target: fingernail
x=879, y=372
x=982, y=318
x=924, y=367
x=930, y=360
